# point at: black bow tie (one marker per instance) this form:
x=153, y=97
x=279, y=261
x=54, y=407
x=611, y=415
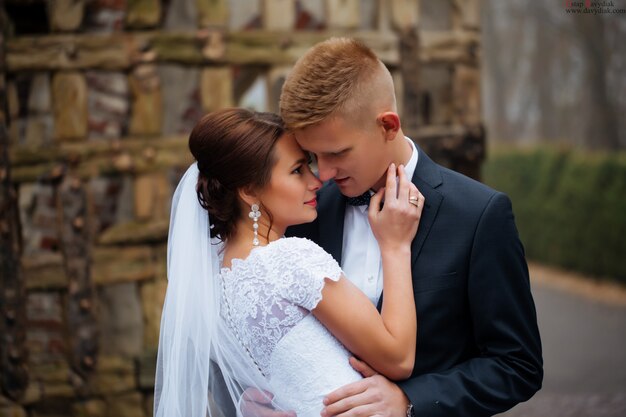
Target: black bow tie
x=361, y=200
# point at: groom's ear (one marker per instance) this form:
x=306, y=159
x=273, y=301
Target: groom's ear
x=389, y=123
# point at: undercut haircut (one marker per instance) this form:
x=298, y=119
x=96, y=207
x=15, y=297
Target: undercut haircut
x=333, y=78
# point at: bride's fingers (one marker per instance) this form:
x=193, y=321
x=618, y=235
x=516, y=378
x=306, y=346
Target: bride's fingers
x=403, y=185
x=375, y=201
x=257, y=403
x=257, y=396
x=391, y=186
x=361, y=367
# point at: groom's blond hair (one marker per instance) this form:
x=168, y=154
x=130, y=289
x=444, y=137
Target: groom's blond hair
x=337, y=77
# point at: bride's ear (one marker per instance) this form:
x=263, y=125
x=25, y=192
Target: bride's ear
x=248, y=196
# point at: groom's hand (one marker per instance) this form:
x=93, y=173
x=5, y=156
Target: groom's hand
x=256, y=403
x=374, y=395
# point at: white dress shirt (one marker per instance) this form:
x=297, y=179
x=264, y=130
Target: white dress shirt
x=360, y=259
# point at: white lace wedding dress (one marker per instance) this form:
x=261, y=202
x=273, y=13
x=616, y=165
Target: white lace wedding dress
x=267, y=302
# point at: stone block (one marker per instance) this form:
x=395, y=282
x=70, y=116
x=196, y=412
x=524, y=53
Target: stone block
x=343, y=14
x=45, y=332
x=58, y=371
x=17, y=127
x=436, y=82
x=66, y=15
x=466, y=95
x=105, y=193
x=107, y=104
x=182, y=107
x=127, y=405
x=212, y=13
x=39, y=130
x=247, y=12
x=113, y=374
x=160, y=255
x=13, y=410
x=466, y=14
x=152, y=299
x=32, y=394
x=44, y=271
x=435, y=15
x=126, y=264
x=142, y=14
x=38, y=216
x=144, y=197
x=275, y=80
x=404, y=14
x=105, y=16
x=114, y=364
x=181, y=15
x=13, y=100
x=131, y=233
x=39, y=99
x=152, y=195
x=148, y=403
x=121, y=325
x=147, y=106
x=89, y=408
x=216, y=87
x=57, y=390
x=146, y=368
x=312, y=15
x=56, y=406
x=124, y=207
x=69, y=94
x=279, y=14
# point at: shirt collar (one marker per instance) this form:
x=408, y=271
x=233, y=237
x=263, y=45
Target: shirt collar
x=412, y=164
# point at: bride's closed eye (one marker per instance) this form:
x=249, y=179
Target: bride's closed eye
x=305, y=164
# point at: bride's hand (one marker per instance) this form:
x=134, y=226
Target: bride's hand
x=256, y=403
x=361, y=367
x=395, y=225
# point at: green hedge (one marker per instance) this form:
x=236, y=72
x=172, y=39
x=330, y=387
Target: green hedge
x=570, y=206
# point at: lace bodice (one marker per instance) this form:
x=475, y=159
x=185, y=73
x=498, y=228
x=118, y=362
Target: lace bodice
x=267, y=302
x=272, y=290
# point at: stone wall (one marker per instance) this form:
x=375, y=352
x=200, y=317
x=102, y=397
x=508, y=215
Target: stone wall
x=99, y=97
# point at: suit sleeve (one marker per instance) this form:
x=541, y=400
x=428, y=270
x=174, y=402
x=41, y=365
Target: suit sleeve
x=306, y=230
x=508, y=366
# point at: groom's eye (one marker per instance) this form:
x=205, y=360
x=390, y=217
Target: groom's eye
x=339, y=153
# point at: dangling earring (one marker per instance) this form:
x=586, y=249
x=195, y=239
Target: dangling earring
x=254, y=215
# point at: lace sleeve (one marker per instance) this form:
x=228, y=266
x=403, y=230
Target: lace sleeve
x=304, y=267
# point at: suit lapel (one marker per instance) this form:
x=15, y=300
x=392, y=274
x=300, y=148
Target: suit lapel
x=426, y=178
x=332, y=207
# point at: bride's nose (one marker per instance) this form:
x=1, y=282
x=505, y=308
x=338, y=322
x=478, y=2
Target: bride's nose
x=314, y=182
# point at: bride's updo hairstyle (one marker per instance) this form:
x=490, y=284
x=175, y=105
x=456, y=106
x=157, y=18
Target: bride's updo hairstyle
x=235, y=149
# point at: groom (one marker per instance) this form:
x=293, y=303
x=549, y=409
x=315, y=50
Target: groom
x=478, y=348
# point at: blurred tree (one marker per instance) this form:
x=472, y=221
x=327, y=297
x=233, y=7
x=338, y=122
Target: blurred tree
x=550, y=75
x=602, y=131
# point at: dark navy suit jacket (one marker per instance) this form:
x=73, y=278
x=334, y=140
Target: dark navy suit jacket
x=478, y=346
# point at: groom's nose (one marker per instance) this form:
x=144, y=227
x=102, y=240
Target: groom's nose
x=325, y=170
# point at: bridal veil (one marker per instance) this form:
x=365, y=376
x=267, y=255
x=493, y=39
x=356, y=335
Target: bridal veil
x=202, y=369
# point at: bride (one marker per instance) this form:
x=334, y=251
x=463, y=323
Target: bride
x=248, y=309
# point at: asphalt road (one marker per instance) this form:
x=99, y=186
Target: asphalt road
x=584, y=351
